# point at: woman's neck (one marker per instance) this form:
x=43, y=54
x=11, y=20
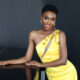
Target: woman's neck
x=43, y=31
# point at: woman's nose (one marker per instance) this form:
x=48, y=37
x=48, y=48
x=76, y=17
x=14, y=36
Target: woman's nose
x=49, y=21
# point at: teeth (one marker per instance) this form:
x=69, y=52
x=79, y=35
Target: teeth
x=47, y=26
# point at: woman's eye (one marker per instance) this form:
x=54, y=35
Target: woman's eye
x=45, y=18
x=53, y=19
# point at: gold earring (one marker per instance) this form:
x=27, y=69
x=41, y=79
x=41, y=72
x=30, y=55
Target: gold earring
x=54, y=25
x=41, y=21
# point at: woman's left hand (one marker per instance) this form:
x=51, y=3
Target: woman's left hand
x=33, y=63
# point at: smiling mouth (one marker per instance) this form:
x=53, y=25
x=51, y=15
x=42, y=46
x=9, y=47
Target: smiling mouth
x=47, y=26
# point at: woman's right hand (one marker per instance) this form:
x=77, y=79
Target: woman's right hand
x=2, y=63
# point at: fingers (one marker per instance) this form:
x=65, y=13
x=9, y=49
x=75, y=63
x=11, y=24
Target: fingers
x=2, y=63
x=29, y=63
x=33, y=66
x=32, y=63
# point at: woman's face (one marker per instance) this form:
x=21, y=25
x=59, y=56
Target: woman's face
x=48, y=20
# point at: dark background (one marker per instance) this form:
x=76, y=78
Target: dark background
x=19, y=17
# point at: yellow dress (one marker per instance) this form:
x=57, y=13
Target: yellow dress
x=62, y=72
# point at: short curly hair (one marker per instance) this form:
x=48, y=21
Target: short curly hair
x=50, y=7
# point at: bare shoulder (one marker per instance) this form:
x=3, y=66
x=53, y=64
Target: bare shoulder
x=62, y=35
x=33, y=33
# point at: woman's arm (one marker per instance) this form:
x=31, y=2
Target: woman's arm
x=63, y=55
x=28, y=55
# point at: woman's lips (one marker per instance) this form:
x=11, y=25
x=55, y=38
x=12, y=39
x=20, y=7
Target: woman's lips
x=47, y=25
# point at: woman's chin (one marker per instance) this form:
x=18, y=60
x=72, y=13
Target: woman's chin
x=47, y=29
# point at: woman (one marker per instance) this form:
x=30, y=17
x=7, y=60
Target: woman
x=51, y=48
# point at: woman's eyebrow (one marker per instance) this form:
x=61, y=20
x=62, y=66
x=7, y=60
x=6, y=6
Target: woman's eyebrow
x=50, y=18
x=53, y=18
x=46, y=16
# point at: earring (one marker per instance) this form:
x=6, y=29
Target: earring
x=54, y=25
x=41, y=21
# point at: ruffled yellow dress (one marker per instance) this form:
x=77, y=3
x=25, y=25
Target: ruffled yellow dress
x=62, y=72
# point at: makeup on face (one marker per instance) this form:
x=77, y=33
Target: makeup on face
x=52, y=19
x=48, y=20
